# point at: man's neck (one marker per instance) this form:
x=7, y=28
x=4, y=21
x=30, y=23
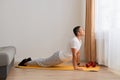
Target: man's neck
x=79, y=37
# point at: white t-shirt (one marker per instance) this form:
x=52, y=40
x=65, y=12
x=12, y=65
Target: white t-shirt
x=67, y=55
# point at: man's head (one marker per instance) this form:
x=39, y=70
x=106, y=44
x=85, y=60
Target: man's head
x=78, y=31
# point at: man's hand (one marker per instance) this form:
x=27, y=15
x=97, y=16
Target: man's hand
x=78, y=68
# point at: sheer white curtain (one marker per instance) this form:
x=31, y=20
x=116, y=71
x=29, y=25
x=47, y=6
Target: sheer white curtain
x=108, y=33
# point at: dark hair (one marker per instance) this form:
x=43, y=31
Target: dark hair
x=76, y=29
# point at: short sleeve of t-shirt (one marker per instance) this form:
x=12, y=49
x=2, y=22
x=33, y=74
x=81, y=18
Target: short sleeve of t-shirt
x=75, y=43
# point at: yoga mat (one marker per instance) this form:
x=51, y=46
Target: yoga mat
x=60, y=67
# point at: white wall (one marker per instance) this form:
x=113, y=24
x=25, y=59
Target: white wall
x=37, y=28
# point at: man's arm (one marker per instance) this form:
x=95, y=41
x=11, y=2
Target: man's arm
x=74, y=59
x=78, y=57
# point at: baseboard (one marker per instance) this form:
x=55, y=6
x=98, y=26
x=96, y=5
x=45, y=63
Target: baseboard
x=115, y=71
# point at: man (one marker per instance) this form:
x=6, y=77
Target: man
x=59, y=57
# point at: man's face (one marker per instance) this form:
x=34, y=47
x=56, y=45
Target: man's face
x=81, y=32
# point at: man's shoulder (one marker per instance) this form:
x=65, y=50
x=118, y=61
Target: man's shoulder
x=73, y=40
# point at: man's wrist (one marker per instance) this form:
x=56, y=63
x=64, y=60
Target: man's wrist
x=78, y=64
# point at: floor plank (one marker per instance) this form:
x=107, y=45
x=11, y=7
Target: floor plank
x=37, y=74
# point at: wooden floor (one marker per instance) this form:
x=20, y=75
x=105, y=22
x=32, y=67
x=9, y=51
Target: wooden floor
x=37, y=74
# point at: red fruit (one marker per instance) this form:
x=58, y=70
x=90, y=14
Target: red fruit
x=91, y=63
x=94, y=65
x=87, y=65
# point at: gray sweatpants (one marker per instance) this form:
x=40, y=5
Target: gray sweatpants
x=46, y=62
